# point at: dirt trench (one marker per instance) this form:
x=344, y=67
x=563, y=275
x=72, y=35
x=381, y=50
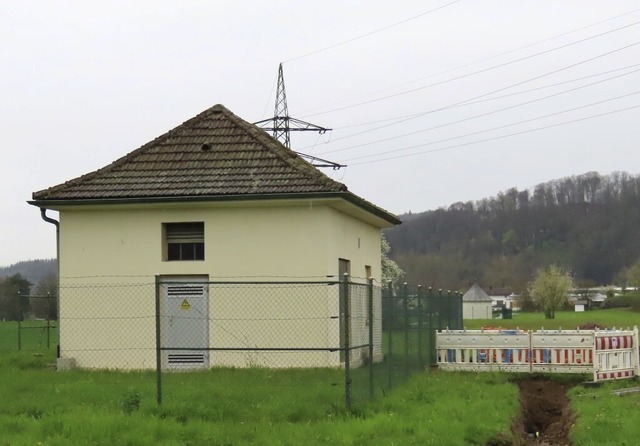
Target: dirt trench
x=546, y=416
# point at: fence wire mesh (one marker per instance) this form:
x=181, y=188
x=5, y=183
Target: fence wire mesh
x=274, y=325
x=359, y=337
x=409, y=321
x=28, y=322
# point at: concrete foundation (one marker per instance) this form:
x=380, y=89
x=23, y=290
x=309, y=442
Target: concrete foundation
x=65, y=364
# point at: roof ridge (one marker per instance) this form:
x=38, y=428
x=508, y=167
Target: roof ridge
x=245, y=161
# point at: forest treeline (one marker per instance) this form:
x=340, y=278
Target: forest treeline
x=28, y=278
x=32, y=270
x=588, y=224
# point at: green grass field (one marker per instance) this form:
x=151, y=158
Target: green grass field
x=242, y=407
x=569, y=320
x=286, y=407
x=33, y=335
x=604, y=418
x=40, y=406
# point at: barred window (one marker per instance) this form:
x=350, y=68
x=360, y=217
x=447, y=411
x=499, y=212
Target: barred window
x=184, y=241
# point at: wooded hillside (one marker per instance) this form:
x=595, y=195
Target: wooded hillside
x=32, y=270
x=588, y=224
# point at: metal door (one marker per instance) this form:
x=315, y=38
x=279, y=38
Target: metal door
x=185, y=322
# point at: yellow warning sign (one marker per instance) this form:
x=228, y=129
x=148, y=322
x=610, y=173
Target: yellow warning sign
x=185, y=305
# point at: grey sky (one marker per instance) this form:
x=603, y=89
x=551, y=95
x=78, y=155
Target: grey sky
x=83, y=83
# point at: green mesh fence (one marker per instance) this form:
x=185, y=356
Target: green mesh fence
x=407, y=324
x=31, y=325
x=361, y=337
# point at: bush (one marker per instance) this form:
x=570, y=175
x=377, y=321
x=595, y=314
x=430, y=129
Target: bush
x=624, y=301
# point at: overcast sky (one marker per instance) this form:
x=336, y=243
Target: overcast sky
x=430, y=101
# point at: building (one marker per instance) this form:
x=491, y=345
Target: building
x=216, y=198
x=476, y=304
x=500, y=297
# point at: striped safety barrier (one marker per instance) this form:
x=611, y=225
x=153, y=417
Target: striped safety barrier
x=608, y=354
x=616, y=355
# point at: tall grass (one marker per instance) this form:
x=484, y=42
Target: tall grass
x=242, y=406
x=603, y=418
x=289, y=407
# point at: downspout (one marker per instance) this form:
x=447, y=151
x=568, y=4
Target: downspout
x=56, y=223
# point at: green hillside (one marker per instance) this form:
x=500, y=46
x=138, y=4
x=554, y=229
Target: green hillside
x=588, y=224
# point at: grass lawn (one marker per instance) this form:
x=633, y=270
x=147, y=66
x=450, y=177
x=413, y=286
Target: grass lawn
x=603, y=418
x=569, y=320
x=288, y=407
x=33, y=335
x=242, y=407
x=278, y=407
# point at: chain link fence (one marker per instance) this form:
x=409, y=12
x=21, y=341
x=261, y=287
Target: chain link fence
x=409, y=321
x=374, y=337
x=31, y=325
x=107, y=325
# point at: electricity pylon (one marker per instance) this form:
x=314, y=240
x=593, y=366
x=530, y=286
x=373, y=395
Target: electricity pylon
x=281, y=125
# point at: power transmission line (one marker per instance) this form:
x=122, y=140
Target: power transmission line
x=499, y=127
x=544, y=87
x=484, y=70
x=490, y=57
x=373, y=32
x=466, y=101
x=496, y=137
x=483, y=114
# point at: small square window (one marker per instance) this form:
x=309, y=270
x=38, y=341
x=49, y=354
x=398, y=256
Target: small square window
x=184, y=241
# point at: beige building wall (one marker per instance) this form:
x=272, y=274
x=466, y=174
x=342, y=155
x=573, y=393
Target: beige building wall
x=110, y=256
x=476, y=310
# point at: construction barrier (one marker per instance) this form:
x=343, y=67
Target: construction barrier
x=607, y=354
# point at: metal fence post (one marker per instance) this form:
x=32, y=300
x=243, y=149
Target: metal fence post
x=48, y=320
x=449, y=310
x=431, y=308
x=459, y=318
x=347, y=342
x=391, y=326
x=19, y=321
x=420, y=358
x=370, y=311
x=442, y=318
x=158, y=344
x=437, y=326
x=405, y=310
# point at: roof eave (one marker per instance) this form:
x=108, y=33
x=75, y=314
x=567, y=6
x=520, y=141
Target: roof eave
x=391, y=219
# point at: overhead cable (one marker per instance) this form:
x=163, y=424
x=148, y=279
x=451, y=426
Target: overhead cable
x=484, y=70
x=543, y=87
x=495, y=137
x=456, y=104
x=483, y=114
x=490, y=57
x=372, y=32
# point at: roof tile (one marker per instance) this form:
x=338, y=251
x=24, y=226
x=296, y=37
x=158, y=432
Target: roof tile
x=242, y=159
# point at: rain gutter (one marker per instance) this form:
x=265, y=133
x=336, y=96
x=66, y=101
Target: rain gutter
x=56, y=223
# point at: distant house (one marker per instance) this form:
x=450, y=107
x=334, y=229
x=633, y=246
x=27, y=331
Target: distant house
x=476, y=304
x=599, y=298
x=500, y=297
x=580, y=306
x=214, y=198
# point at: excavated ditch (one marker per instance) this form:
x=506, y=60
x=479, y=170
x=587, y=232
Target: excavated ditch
x=546, y=416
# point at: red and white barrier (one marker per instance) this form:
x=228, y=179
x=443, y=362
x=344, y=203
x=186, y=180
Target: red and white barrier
x=608, y=354
x=562, y=351
x=616, y=355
